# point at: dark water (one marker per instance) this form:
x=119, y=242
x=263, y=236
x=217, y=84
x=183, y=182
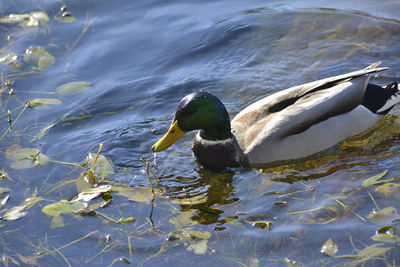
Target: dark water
x=142, y=57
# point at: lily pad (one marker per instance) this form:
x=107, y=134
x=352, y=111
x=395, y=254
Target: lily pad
x=73, y=88
x=139, y=193
x=329, y=248
x=387, y=238
x=184, y=219
x=43, y=102
x=38, y=56
x=15, y=152
x=8, y=58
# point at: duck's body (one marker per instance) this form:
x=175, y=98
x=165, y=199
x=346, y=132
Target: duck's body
x=288, y=125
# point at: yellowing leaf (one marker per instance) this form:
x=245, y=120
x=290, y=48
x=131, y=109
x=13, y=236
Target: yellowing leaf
x=41, y=102
x=329, y=248
x=73, y=88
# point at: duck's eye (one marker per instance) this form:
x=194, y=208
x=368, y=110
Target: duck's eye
x=173, y=131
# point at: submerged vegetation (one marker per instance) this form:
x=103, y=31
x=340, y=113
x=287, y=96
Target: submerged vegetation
x=83, y=212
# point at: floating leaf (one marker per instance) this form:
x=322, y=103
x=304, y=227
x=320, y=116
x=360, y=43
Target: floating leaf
x=85, y=181
x=42, y=102
x=196, y=234
x=386, y=215
x=57, y=222
x=139, y=193
x=38, y=159
x=8, y=58
x=73, y=88
x=292, y=263
x=37, y=55
x=4, y=190
x=36, y=19
x=373, y=251
x=65, y=17
x=103, y=168
x=199, y=247
x=63, y=207
x=329, y=248
x=184, y=219
x=386, y=238
x=261, y=224
x=15, y=152
x=92, y=193
x=192, y=200
x=14, y=18
x=374, y=179
x=17, y=212
x=4, y=175
x=388, y=189
x=32, y=20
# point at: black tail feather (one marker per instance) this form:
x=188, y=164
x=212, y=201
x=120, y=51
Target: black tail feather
x=377, y=97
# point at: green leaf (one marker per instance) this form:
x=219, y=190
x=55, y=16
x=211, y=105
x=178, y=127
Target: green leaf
x=373, y=251
x=43, y=102
x=329, y=248
x=73, y=88
x=103, y=168
x=374, y=179
x=85, y=181
x=15, y=152
x=139, y=193
x=63, y=207
x=386, y=238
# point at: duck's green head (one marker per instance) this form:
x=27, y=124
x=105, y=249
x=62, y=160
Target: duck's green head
x=197, y=111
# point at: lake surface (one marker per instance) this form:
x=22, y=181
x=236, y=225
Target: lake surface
x=134, y=61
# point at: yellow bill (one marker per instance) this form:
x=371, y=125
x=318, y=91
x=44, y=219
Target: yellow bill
x=174, y=134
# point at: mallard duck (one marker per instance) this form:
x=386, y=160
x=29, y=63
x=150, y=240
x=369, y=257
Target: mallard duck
x=291, y=124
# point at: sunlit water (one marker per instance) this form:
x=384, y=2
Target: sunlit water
x=142, y=57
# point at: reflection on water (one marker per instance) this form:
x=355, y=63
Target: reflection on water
x=141, y=59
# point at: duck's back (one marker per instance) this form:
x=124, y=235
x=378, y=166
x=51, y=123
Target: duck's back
x=303, y=120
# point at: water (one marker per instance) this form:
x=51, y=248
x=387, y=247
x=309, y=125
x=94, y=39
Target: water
x=142, y=57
